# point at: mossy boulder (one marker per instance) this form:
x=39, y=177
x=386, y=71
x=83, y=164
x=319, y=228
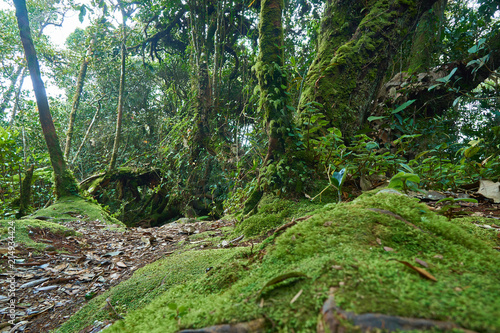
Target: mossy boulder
x=353, y=250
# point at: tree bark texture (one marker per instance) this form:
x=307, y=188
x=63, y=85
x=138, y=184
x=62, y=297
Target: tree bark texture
x=426, y=38
x=357, y=42
x=433, y=97
x=64, y=182
x=271, y=79
x=272, y=102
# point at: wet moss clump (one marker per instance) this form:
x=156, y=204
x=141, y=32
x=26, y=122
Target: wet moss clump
x=65, y=207
x=22, y=231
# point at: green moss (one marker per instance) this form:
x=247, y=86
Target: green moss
x=152, y=282
x=340, y=247
x=61, y=211
x=273, y=212
x=22, y=230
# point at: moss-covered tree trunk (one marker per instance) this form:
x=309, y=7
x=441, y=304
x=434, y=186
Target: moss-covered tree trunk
x=25, y=197
x=358, y=40
x=76, y=97
x=65, y=183
x=427, y=36
x=272, y=103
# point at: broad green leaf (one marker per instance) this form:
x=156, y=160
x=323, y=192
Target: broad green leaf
x=478, y=46
x=447, y=77
x=403, y=106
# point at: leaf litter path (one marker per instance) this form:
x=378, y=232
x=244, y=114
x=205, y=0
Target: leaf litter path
x=52, y=285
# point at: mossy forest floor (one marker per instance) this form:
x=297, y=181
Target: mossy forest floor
x=382, y=254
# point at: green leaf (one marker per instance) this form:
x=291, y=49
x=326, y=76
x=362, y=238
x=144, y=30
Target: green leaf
x=339, y=177
x=83, y=11
x=433, y=86
x=447, y=77
x=403, y=106
x=372, y=118
x=478, y=46
x=172, y=306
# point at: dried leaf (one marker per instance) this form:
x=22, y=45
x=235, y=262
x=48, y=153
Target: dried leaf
x=112, y=254
x=490, y=190
x=388, y=249
x=379, y=242
x=421, y=262
x=420, y=271
x=121, y=264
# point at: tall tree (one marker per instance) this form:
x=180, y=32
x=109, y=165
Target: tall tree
x=272, y=100
x=121, y=89
x=65, y=183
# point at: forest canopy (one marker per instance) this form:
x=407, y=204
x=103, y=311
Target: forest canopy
x=198, y=107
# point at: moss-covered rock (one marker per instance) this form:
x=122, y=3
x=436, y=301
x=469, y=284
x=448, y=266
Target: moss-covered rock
x=352, y=249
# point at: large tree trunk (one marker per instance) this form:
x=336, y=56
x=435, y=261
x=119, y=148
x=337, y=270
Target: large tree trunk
x=65, y=183
x=76, y=97
x=425, y=43
x=353, y=57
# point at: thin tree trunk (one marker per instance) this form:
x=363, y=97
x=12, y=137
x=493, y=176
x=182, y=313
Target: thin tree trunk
x=16, y=101
x=88, y=132
x=121, y=98
x=65, y=183
x=76, y=97
x=8, y=94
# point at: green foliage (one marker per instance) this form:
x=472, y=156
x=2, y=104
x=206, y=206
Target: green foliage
x=449, y=208
x=404, y=181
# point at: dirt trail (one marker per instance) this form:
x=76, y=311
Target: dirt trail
x=51, y=286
